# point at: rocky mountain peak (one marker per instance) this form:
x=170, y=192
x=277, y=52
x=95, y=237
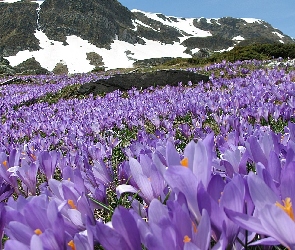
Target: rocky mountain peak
x=105, y=34
x=98, y=21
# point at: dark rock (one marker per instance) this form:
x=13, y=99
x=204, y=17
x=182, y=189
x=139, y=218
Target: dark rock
x=212, y=43
x=98, y=21
x=141, y=81
x=95, y=59
x=152, y=61
x=228, y=27
x=60, y=69
x=157, y=31
x=30, y=67
x=5, y=68
x=18, y=25
x=16, y=80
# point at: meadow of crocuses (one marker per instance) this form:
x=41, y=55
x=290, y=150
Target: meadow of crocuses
x=197, y=166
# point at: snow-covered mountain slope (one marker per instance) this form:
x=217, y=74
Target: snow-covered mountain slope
x=84, y=35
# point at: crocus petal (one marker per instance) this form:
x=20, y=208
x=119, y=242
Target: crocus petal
x=157, y=212
x=199, y=161
x=216, y=187
x=141, y=180
x=20, y=232
x=287, y=182
x=76, y=217
x=124, y=223
x=183, y=179
x=109, y=238
x=274, y=166
x=260, y=193
x=81, y=242
x=279, y=225
x=250, y=223
x=256, y=151
x=191, y=246
x=172, y=156
x=121, y=189
x=49, y=241
x=204, y=232
x=14, y=244
x=269, y=241
x=36, y=243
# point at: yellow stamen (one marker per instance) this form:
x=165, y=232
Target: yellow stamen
x=194, y=227
x=287, y=207
x=34, y=157
x=149, y=178
x=5, y=164
x=186, y=239
x=38, y=231
x=184, y=162
x=72, y=204
x=71, y=244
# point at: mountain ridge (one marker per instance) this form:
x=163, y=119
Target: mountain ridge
x=116, y=35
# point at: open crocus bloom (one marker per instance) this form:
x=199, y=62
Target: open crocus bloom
x=272, y=217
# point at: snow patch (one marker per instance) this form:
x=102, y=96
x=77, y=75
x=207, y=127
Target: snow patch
x=184, y=25
x=238, y=38
x=74, y=54
x=137, y=22
x=252, y=20
x=195, y=50
x=223, y=50
x=9, y=1
x=278, y=34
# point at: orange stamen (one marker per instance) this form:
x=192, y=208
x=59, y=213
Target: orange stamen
x=194, y=227
x=287, y=207
x=38, y=231
x=186, y=239
x=5, y=164
x=72, y=204
x=34, y=157
x=184, y=162
x=71, y=244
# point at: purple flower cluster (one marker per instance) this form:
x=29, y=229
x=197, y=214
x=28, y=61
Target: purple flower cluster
x=69, y=178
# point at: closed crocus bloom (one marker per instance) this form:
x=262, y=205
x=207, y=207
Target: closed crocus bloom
x=172, y=227
x=120, y=233
x=148, y=181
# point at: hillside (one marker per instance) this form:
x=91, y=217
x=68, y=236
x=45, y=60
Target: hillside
x=106, y=34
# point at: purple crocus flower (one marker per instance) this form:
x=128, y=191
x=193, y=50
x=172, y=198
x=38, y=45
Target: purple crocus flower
x=27, y=173
x=171, y=226
x=48, y=162
x=35, y=216
x=148, y=181
x=271, y=217
x=120, y=233
x=5, y=190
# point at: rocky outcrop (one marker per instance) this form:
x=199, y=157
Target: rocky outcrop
x=228, y=28
x=5, y=68
x=212, y=43
x=156, y=30
x=98, y=21
x=17, y=27
x=141, y=81
x=101, y=22
x=30, y=67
